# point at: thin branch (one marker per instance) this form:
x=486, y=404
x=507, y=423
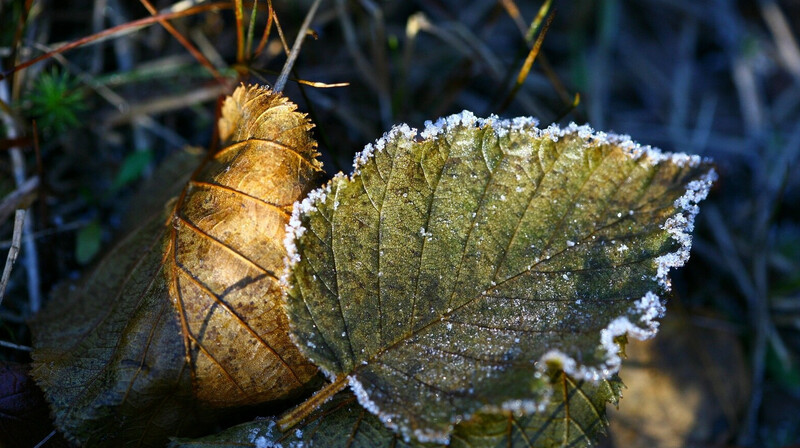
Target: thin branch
x=166, y=104
x=67, y=227
x=112, y=32
x=298, y=43
x=43, y=441
x=23, y=18
x=183, y=41
x=31, y=259
x=526, y=67
x=23, y=348
x=20, y=198
x=13, y=251
x=280, y=34
x=267, y=30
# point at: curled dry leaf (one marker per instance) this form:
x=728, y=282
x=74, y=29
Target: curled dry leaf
x=574, y=416
x=183, y=316
x=445, y=275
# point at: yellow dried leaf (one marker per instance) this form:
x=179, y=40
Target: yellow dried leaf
x=184, y=316
x=227, y=252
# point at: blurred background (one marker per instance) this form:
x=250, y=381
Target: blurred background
x=719, y=78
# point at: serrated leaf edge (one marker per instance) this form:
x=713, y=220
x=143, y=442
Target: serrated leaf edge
x=644, y=311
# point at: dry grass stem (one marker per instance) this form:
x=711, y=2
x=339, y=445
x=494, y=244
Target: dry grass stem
x=11, y=345
x=13, y=251
x=20, y=198
x=298, y=44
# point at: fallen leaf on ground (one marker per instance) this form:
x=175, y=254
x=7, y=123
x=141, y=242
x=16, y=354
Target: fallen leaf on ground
x=183, y=316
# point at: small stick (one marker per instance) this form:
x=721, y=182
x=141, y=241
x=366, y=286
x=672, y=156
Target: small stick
x=23, y=348
x=298, y=43
x=19, y=198
x=18, y=170
x=129, y=27
x=184, y=41
x=280, y=34
x=43, y=441
x=13, y=251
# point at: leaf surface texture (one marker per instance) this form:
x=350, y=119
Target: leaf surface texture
x=452, y=267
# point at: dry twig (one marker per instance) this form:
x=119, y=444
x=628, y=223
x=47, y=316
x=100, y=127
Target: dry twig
x=13, y=251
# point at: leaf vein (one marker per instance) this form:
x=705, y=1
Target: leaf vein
x=215, y=186
x=191, y=226
x=338, y=279
x=239, y=319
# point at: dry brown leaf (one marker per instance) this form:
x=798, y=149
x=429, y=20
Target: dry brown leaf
x=227, y=252
x=184, y=315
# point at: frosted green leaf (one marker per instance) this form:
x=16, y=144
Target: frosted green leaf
x=452, y=267
x=574, y=417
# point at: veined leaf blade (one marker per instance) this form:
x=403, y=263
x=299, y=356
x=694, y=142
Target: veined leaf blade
x=451, y=268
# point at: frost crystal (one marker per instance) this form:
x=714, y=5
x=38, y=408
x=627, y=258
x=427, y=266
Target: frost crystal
x=648, y=308
x=362, y=395
x=681, y=225
x=263, y=441
x=361, y=158
x=294, y=229
x=388, y=419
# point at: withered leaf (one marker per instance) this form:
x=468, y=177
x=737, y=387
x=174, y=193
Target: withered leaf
x=228, y=232
x=574, y=416
x=451, y=268
x=183, y=316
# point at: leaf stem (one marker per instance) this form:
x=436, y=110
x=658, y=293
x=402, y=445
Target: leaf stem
x=305, y=408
